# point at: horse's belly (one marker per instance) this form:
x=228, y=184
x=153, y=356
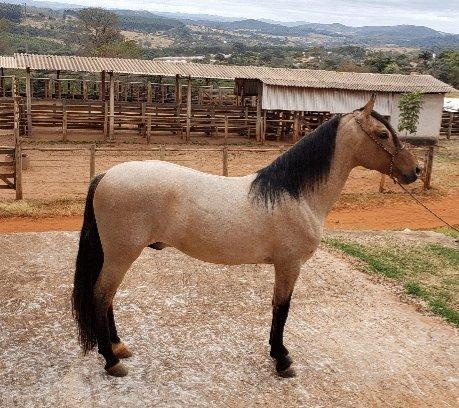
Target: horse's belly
x=223, y=247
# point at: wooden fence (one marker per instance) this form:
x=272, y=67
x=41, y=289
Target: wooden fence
x=450, y=124
x=67, y=170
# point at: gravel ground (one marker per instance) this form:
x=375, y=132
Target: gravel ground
x=199, y=333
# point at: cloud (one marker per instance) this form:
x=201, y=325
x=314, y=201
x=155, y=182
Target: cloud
x=440, y=15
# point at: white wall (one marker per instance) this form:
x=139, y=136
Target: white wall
x=344, y=101
x=321, y=100
x=429, y=118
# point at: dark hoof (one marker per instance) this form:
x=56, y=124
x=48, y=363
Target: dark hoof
x=118, y=370
x=121, y=350
x=282, y=363
x=288, y=373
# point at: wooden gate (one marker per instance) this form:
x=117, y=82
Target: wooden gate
x=10, y=178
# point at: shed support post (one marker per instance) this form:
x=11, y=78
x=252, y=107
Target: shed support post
x=102, y=86
x=2, y=82
x=149, y=93
x=111, y=125
x=29, y=102
x=296, y=127
x=85, y=90
x=259, y=120
x=59, y=84
x=188, y=110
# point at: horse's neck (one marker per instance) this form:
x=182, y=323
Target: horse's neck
x=321, y=200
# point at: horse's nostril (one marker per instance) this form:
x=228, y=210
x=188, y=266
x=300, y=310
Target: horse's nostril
x=418, y=170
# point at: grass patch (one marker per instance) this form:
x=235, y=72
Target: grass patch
x=448, y=232
x=429, y=271
x=41, y=208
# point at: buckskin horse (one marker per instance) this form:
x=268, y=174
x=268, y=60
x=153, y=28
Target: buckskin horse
x=275, y=216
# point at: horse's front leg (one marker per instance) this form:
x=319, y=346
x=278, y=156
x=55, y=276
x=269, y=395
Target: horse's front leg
x=286, y=276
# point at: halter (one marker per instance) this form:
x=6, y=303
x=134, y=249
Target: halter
x=392, y=155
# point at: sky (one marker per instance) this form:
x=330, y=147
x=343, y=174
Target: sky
x=442, y=15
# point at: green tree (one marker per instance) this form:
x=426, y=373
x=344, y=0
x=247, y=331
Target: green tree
x=120, y=49
x=98, y=28
x=446, y=67
x=391, y=68
x=410, y=106
x=11, y=12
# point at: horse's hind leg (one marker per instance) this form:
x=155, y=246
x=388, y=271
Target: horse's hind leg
x=111, y=276
x=120, y=349
x=286, y=276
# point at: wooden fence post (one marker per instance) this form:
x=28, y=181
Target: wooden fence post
x=381, y=183
x=259, y=121
x=429, y=165
x=17, y=143
x=148, y=128
x=64, y=120
x=188, y=110
x=162, y=152
x=225, y=160
x=92, y=162
x=18, y=170
x=105, y=107
x=450, y=125
x=143, y=110
x=111, y=127
x=226, y=128
x=29, y=102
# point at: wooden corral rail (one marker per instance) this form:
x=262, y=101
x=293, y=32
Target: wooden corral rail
x=88, y=157
x=450, y=124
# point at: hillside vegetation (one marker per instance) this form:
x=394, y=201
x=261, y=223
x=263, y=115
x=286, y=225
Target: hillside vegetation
x=402, y=49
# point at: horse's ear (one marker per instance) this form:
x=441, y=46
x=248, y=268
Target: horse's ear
x=368, y=108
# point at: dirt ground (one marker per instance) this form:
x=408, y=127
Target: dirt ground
x=200, y=331
x=377, y=217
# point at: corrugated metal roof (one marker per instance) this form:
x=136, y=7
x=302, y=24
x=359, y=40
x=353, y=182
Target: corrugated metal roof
x=364, y=82
x=7, y=62
x=270, y=76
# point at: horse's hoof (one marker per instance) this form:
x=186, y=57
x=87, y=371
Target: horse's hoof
x=283, y=363
x=118, y=370
x=121, y=350
x=287, y=373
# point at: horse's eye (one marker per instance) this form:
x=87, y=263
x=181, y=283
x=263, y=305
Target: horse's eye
x=383, y=135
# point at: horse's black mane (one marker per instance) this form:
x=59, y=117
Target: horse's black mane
x=303, y=166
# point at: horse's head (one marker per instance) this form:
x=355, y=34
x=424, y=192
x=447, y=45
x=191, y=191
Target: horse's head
x=377, y=146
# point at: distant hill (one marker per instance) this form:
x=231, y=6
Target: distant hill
x=297, y=32
x=369, y=35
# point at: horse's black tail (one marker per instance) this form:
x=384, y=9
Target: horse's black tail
x=89, y=263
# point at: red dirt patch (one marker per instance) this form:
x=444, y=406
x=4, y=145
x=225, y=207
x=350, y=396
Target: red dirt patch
x=392, y=216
